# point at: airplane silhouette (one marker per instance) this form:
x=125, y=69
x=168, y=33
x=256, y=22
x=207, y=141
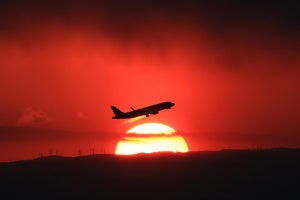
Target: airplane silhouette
x=153, y=110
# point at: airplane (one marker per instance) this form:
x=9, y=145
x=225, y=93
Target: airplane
x=153, y=110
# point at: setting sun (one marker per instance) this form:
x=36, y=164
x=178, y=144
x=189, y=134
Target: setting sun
x=151, y=137
x=152, y=128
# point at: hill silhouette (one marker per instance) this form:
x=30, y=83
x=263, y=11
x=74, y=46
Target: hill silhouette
x=234, y=174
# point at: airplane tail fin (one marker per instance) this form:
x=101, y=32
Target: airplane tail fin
x=116, y=111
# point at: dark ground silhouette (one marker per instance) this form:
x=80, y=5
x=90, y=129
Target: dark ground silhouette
x=230, y=174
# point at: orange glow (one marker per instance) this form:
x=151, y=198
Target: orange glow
x=161, y=139
x=136, y=118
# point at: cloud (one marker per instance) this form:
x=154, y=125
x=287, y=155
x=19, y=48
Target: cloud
x=81, y=116
x=31, y=116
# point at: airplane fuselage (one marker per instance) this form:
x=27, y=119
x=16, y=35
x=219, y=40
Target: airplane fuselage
x=153, y=109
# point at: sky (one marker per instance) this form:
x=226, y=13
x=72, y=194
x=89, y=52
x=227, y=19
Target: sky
x=231, y=68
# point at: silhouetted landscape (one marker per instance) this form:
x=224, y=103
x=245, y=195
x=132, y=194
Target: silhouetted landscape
x=238, y=174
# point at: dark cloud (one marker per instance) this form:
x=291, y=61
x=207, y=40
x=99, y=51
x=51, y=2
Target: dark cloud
x=125, y=17
x=33, y=117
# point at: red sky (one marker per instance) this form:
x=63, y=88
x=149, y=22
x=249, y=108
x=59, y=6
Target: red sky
x=232, y=69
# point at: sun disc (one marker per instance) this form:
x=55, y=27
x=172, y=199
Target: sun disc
x=129, y=146
x=149, y=138
x=152, y=128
